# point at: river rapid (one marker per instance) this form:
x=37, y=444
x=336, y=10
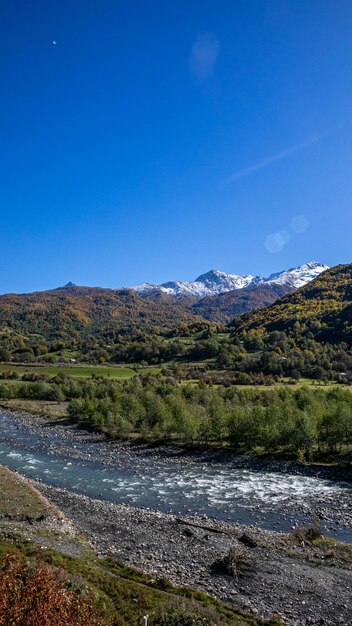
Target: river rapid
x=61, y=456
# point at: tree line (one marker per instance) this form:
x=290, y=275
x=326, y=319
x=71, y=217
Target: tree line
x=302, y=421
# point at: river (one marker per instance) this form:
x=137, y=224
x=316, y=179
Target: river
x=272, y=500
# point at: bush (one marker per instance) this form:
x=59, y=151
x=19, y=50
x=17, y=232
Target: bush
x=34, y=594
x=235, y=563
x=308, y=533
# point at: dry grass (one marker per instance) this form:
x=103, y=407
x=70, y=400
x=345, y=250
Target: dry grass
x=18, y=499
x=37, y=407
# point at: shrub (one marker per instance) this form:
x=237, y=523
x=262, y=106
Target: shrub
x=308, y=533
x=33, y=594
x=235, y=563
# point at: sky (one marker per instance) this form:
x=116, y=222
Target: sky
x=151, y=141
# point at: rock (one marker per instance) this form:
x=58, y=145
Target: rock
x=248, y=541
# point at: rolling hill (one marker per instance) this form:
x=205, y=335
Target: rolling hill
x=72, y=311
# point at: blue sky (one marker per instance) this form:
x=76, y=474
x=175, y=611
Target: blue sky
x=152, y=140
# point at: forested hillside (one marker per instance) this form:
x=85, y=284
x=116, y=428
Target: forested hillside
x=305, y=334
x=71, y=311
x=74, y=311
x=322, y=308
x=77, y=312
x=225, y=306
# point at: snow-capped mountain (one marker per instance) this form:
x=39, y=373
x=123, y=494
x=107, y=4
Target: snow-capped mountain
x=211, y=283
x=298, y=276
x=215, y=282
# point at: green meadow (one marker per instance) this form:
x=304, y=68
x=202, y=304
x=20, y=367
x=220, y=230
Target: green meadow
x=80, y=371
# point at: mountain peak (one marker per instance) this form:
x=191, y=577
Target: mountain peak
x=70, y=284
x=298, y=276
x=215, y=281
x=211, y=274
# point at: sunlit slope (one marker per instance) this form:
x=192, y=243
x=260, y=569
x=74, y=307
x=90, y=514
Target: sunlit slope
x=71, y=311
x=323, y=308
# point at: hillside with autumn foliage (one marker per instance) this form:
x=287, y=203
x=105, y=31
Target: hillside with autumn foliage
x=322, y=308
x=72, y=311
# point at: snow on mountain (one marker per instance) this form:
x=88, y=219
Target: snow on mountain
x=191, y=289
x=213, y=282
x=216, y=282
x=298, y=276
x=146, y=288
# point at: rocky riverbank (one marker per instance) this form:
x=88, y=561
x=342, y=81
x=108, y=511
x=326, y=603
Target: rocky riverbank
x=303, y=582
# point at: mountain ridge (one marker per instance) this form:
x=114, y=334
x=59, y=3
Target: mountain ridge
x=216, y=282
x=77, y=310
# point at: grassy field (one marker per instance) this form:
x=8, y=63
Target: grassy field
x=123, y=372
x=80, y=371
x=46, y=408
x=17, y=499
